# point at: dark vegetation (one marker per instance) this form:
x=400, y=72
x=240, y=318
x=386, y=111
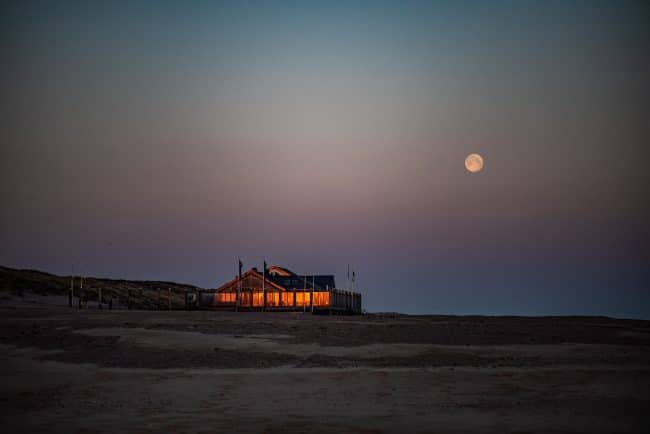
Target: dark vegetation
x=138, y=294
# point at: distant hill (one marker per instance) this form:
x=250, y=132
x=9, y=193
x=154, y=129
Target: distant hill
x=140, y=294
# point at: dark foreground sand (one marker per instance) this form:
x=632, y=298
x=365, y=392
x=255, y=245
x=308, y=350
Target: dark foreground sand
x=141, y=371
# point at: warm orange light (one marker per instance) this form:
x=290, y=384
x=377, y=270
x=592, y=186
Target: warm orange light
x=274, y=298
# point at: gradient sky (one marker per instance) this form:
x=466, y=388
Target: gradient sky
x=163, y=140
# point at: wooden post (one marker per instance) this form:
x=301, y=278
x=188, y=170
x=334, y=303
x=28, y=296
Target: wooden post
x=311, y=296
x=169, y=299
x=159, y=295
x=329, y=299
x=99, y=296
x=71, y=298
x=128, y=298
x=304, y=291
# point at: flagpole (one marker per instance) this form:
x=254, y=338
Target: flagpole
x=312, y=293
x=347, y=286
x=304, y=291
x=238, y=288
x=72, y=287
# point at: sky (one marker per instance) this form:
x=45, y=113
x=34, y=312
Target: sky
x=165, y=140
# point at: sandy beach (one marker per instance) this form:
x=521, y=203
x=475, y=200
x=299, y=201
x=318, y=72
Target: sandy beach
x=92, y=371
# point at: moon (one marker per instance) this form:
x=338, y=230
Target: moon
x=474, y=163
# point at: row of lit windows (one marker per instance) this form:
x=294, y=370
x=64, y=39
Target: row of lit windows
x=274, y=299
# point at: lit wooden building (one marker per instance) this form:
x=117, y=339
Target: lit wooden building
x=279, y=289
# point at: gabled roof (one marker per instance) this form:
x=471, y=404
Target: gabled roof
x=254, y=273
x=283, y=279
x=275, y=270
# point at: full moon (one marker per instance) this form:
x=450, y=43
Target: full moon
x=474, y=163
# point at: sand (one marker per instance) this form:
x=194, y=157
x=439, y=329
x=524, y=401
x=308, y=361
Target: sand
x=130, y=371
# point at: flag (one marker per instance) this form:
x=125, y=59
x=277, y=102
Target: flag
x=353, y=275
x=240, y=266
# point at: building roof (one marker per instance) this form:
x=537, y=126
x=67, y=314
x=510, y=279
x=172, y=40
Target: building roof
x=284, y=279
x=303, y=281
x=275, y=270
x=292, y=281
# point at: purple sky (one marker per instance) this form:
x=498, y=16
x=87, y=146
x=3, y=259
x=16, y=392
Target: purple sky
x=154, y=140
